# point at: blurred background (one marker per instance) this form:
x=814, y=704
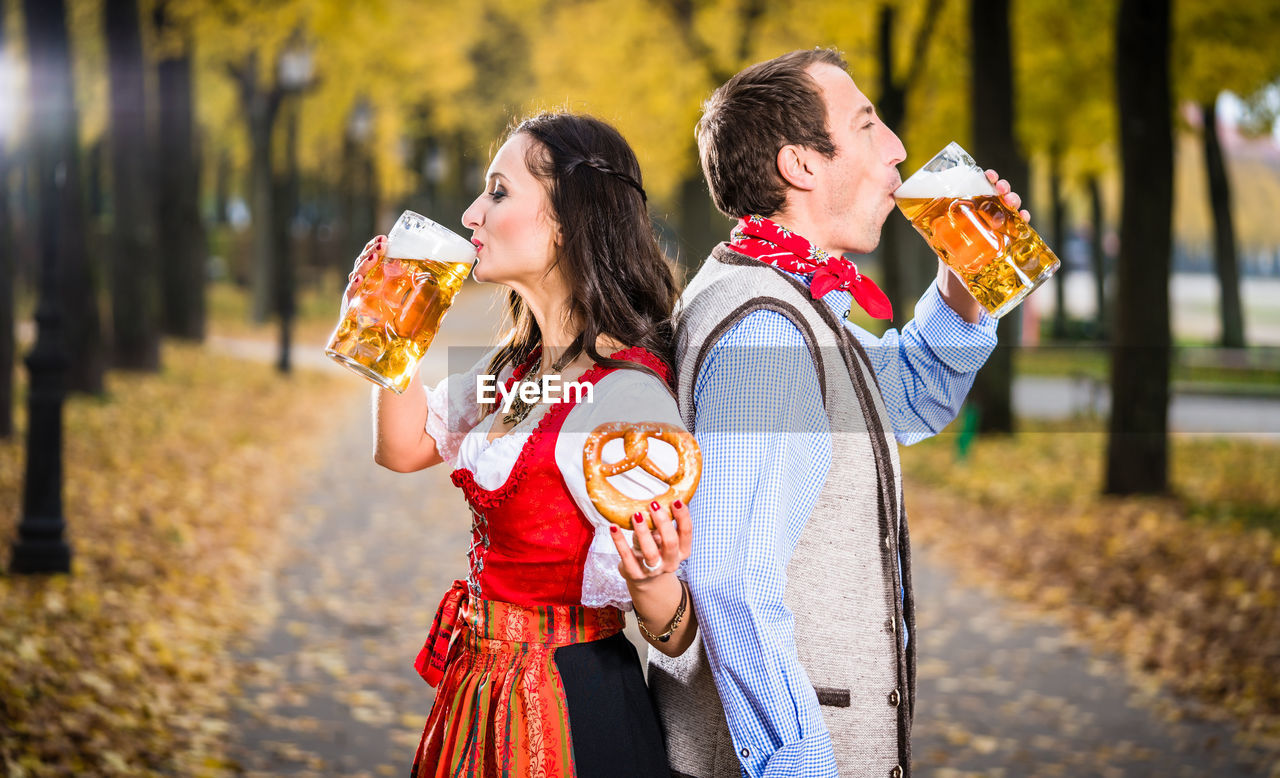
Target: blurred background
x=185, y=183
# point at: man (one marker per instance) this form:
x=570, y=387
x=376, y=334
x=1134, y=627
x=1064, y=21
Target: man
x=801, y=567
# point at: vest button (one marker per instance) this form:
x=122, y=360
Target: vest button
x=890, y=626
x=888, y=543
x=894, y=698
x=896, y=772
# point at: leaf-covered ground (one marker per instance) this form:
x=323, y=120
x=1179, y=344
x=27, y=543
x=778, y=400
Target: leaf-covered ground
x=173, y=487
x=1184, y=588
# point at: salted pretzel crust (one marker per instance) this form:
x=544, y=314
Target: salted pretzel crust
x=613, y=504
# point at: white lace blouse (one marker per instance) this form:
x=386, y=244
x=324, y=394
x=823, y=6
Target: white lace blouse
x=622, y=395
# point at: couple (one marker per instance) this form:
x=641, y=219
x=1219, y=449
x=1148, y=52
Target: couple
x=779, y=602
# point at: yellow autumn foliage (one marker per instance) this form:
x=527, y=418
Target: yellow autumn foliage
x=173, y=488
x=1184, y=587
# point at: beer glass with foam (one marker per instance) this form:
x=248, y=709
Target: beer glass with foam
x=952, y=204
x=397, y=309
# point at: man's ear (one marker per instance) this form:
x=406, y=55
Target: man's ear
x=796, y=165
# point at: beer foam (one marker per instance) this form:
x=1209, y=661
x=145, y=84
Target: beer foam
x=958, y=181
x=428, y=240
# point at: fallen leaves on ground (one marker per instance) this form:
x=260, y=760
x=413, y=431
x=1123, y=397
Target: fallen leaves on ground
x=173, y=486
x=1185, y=588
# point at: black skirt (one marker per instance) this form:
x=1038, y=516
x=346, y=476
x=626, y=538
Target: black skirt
x=612, y=719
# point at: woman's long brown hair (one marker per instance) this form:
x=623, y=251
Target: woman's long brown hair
x=620, y=283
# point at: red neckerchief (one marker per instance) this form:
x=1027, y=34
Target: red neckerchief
x=773, y=244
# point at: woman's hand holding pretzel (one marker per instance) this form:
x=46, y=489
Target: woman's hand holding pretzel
x=654, y=552
x=662, y=537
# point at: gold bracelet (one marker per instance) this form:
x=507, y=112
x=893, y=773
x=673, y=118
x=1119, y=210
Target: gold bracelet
x=675, y=620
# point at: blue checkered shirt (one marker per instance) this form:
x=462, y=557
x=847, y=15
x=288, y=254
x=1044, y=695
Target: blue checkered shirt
x=760, y=481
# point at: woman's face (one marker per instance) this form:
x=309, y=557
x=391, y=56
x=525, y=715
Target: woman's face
x=511, y=223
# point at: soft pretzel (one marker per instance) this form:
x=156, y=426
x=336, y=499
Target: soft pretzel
x=613, y=504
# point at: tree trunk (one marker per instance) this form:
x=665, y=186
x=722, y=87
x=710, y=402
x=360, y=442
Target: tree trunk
x=58, y=156
x=1137, y=447
x=95, y=195
x=135, y=287
x=892, y=105
x=1224, y=233
x=902, y=266
x=1097, y=256
x=221, y=188
x=287, y=205
x=262, y=209
x=1058, y=215
x=995, y=147
x=260, y=106
x=181, y=238
x=696, y=224
x=8, y=344
x=7, y=278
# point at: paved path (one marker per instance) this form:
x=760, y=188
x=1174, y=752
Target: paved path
x=1004, y=692
x=331, y=691
x=1056, y=398
x=331, y=687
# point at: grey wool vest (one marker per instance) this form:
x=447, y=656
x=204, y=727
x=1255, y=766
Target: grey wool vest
x=842, y=578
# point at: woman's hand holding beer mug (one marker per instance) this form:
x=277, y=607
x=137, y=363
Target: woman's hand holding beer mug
x=372, y=252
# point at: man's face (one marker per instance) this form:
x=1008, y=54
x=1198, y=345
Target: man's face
x=856, y=189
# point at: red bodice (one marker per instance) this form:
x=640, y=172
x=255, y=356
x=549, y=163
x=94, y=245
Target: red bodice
x=529, y=540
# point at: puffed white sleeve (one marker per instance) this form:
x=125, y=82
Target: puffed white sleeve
x=628, y=396
x=453, y=410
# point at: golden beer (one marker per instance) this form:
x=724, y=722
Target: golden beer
x=397, y=309
x=998, y=255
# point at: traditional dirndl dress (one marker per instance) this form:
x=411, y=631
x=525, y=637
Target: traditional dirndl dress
x=530, y=681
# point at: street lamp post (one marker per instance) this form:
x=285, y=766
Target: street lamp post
x=41, y=547
x=293, y=78
x=361, y=222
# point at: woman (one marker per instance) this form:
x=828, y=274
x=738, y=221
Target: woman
x=539, y=679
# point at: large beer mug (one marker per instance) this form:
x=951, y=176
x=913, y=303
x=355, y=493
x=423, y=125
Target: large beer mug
x=397, y=309
x=952, y=204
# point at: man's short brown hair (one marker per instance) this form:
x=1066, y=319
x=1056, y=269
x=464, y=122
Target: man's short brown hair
x=750, y=118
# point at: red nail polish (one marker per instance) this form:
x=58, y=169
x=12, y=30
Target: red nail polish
x=677, y=505
x=613, y=528
x=653, y=506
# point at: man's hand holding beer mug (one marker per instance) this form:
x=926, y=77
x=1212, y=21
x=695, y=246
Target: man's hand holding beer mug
x=397, y=294
x=971, y=219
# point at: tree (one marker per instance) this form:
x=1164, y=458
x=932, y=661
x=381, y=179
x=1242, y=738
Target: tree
x=1220, y=47
x=7, y=250
x=135, y=289
x=1225, y=259
x=1137, y=446
x=181, y=234
x=260, y=99
x=899, y=283
x=1072, y=124
x=994, y=146
x=52, y=96
x=1058, y=234
x=1097, y=255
